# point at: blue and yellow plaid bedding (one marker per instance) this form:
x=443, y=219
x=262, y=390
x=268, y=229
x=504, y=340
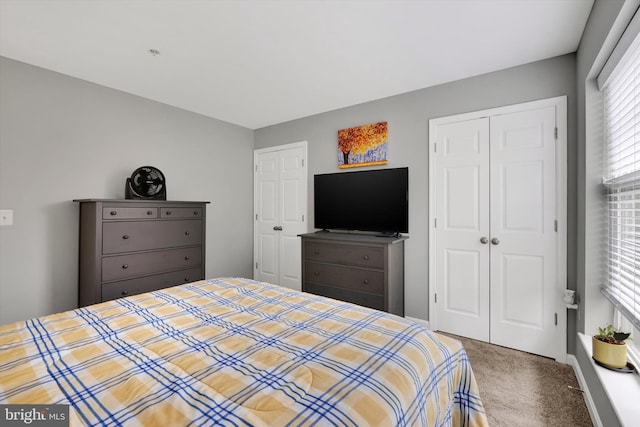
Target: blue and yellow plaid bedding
x=236, y=352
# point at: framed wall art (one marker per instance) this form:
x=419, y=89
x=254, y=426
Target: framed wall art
x=363, y=146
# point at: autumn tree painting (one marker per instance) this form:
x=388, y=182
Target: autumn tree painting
x=363, y=145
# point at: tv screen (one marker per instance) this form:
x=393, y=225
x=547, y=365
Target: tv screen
x=376, y=200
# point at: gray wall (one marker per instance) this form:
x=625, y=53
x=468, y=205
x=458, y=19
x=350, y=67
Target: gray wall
x=594, y=50
x=594, y=309
x=62, y=138
x=407, y=116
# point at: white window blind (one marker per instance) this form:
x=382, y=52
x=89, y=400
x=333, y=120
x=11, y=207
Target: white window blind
x=622, y=181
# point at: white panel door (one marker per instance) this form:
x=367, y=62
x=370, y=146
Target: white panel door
x=462, y=212
x=266, y=200
x=523, y=238
x=280, y=213
x=293, y=206
x=495, y=245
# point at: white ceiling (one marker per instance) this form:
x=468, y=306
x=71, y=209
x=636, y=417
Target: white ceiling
x=257, y=63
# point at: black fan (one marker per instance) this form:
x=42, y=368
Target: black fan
x=146, y=182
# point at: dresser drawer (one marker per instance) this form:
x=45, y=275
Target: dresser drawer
x=129, y=213
x=357, y=279
x=356, y=255
x=360, y=256
x=180, y=213
x=360, y=298
x=149, y=283
x=132, y=265
x=128, y=236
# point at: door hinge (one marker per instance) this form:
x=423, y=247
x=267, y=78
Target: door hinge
x=555, y=133
x=555, y=225
x=256, y=168
x=256, y=217
x=436, y=298
x=256, y=265
x=556, y=319
x=302, y=162
x=435, y=222
x=435, y=147
x=302, y=217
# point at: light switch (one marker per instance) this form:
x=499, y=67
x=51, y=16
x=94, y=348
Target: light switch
x=6, y=217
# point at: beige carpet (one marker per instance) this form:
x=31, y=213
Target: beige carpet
x=521, y=389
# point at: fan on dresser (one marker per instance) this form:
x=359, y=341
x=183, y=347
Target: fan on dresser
x=146, y=182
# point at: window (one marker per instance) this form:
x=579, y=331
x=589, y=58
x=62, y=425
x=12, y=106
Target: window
x=622, y=182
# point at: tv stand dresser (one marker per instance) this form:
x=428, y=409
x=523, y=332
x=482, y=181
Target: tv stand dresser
x=362, y=269
x=129, y=247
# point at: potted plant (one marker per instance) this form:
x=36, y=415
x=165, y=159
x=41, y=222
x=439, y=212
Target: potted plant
x=610, y=348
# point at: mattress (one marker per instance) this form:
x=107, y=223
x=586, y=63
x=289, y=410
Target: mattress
x=237, y=352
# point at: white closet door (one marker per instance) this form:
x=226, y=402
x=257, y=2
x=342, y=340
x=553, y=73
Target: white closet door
x=293, y=205
x=523, y=245
x=267, y=217
x=280, y=201
x=495, y=250
x=462, y=214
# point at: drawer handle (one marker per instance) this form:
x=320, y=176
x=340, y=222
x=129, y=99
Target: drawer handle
x=149, y=212
x=113, y=213
x=366, y=281
x=316, y=273
x=186, y=280
x=317, y=252
x=125, y=266
x=168, y=212
x=196, y=212
x=125, y=292
x=187, y=258
x=187, y=233
x=366, y=257
x=125, y=237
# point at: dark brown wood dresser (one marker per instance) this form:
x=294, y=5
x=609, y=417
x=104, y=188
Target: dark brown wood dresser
x=129, y=247
x=362, y=269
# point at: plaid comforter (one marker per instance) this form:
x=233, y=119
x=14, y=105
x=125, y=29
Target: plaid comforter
x=236, y=352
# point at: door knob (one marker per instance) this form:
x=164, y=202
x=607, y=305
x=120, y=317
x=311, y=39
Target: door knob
x=495, y=241
x=484, y=240
x=277, y=228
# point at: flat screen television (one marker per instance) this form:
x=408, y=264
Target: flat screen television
x=373, y=201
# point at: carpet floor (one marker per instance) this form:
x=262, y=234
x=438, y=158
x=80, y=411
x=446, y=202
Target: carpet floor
x=522, y=389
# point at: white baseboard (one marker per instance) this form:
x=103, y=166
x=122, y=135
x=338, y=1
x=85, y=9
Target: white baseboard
x=591, y=406
x=424, y=323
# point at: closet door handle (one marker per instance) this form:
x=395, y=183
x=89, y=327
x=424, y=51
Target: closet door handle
x=495, y=241
x=277, y=228
x=484, y=240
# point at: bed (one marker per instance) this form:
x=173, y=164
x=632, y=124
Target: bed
x=237, y=352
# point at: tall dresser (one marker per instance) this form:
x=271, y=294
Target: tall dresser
x=362, y=269
x=128, y=247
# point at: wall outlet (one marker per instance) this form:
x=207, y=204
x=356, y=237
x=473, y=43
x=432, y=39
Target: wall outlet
x=6, y=217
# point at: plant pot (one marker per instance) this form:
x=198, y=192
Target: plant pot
x=613, y=355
